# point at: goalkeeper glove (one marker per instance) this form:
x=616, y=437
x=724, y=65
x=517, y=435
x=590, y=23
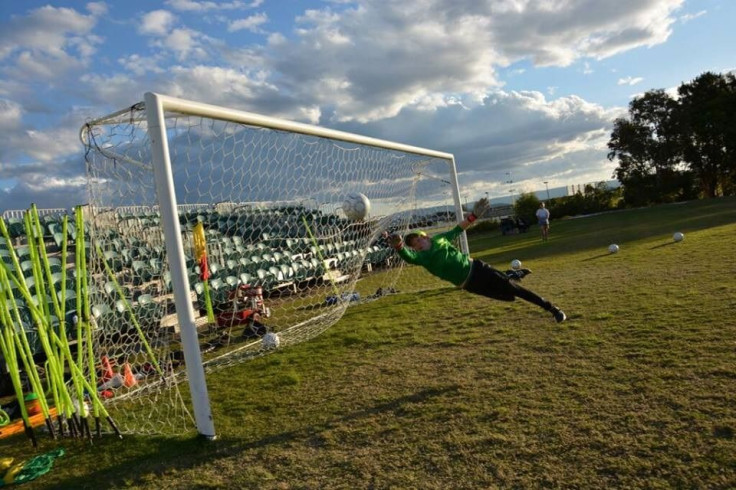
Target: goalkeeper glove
x=395, y=241
x=481, y=207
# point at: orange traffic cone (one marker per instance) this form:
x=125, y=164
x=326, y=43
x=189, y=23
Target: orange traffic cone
x=107, y=372
x=129, y=378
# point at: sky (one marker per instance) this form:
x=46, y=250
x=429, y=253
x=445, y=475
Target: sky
x=522, y=92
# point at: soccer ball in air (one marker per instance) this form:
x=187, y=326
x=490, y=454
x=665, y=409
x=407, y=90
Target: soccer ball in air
x=516, y=264
x=613, y=248
x=356, y=206
x=271, y=341
x=678, y=237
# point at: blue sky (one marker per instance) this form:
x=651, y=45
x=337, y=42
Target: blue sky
x=518, y=89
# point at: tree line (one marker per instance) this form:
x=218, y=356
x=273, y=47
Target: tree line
x=674, y=148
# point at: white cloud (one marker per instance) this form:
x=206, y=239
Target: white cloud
x=46, y=29
x=114, y=91
x=139, y=65
x=156, y=22
x=185, y=43
x=40, y=145
x=210, y=84
x=35, y=65
x=199, y=6
x=276, y=39
x=688, y=17
x=224, y=86
x=86, y=46
x=97, y=8
x=437, y=47
x=182, y=41
x=10, y=115
x=47, y=43
x=557, y=33
x=45, y=164
x=251, y=23
x=629, y=80
x=44, y=192
x=379, y=74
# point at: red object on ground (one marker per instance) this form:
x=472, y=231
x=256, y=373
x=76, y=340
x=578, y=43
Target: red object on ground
x=129, y=378
x=107, y=372
x=247, y=304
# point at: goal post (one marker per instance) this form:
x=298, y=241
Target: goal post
x=177, y=262
x=261, y=197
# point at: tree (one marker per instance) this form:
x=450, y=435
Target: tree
x=707, y=117
x=647, y=147
x=595, y=198
x=526, y=206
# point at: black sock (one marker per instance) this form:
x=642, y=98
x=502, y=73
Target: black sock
x=532, y=297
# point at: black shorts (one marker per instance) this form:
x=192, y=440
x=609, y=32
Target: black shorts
x=490, y=282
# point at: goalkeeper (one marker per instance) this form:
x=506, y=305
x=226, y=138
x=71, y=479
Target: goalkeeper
x=441, y=258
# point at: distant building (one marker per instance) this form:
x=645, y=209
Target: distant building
x=575, y=188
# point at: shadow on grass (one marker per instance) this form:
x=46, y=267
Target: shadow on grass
x=405, y=298
x=165, y=454
x=599, y=256
x=662, y=245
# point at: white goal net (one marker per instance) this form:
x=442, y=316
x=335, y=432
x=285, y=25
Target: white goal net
x=270, y=258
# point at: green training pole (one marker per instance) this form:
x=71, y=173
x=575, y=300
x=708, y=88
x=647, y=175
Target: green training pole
x=9, y=354
x=128, y=309
x=321, y=257
x=33, y=230
x=21, y=341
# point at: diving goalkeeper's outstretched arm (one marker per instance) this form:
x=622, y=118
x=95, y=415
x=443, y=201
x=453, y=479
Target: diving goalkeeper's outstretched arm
x=396, y=242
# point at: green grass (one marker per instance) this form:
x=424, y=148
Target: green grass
x=442, y=389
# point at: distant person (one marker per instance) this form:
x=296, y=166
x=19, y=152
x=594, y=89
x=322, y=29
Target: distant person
x=543, y=218
x=441, y=258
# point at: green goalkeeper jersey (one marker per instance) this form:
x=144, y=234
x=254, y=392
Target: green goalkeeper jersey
x=442, y=259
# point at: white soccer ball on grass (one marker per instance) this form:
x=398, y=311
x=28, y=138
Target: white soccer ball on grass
x=356, y=206
x=516, y=264
x=613, y=248
x=678, y=237
x=271, y=340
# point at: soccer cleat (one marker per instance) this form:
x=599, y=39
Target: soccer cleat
x=512, y=275
x=558, y=314
x=517, y=275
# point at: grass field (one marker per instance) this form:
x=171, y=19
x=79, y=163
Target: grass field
x=442, y=389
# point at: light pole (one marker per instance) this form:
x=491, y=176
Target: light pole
x=545, y=185
x=511, y=191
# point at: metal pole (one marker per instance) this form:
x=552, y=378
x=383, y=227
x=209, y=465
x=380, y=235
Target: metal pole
x=459, y=214
x=166, y=194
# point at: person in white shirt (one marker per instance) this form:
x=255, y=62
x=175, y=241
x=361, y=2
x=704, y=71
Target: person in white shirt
x=543, y=218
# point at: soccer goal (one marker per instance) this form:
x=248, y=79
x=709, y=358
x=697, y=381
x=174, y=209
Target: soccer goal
x=218, y=235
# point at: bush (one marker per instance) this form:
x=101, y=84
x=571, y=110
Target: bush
x=526, y=207
x=594, y=200
x=483, y=226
